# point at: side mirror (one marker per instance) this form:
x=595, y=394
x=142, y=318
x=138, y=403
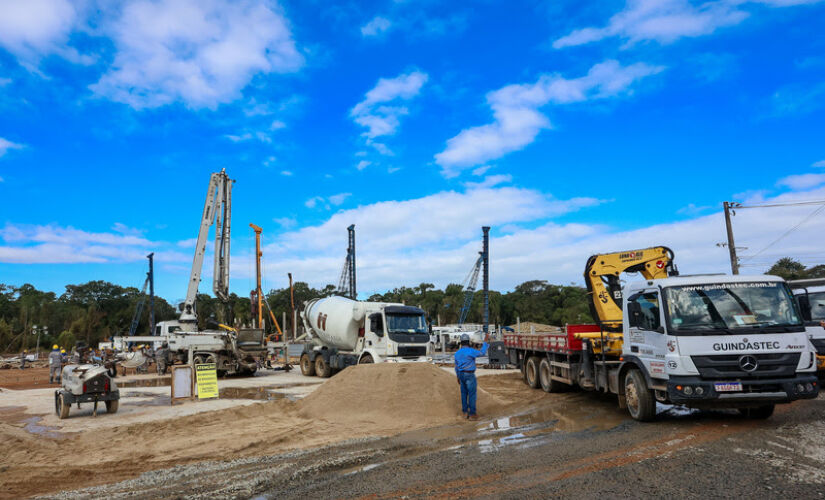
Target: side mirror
x=376, y=325
x=634, y=311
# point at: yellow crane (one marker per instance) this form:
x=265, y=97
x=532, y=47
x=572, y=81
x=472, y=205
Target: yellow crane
x=258, y=294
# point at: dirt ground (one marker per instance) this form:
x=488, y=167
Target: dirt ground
x=528, y=444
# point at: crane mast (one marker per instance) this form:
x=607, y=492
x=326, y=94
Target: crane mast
x=216, y=210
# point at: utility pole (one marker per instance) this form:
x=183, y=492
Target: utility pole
x=151, y=277
x=734, y=261
x=486, y=277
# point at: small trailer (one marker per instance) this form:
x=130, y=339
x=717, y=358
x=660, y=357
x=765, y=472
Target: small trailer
x=86, y=384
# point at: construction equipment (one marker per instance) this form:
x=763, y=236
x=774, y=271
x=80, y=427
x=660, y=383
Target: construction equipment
x=810, y=295
x=469, y=287
x=343, y=332
x=706, y=341
x=233, y=351
x=84, y=384
x=346, y=282
x=149, y=282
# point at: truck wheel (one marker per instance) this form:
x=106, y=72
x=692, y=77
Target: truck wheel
x=760, y=413
x=62, y=406
x=322, y=368
x=531, y=372
x=547, y=383
x=640, y=401
x=366, y=359
x=111, y=406
x=307, y=366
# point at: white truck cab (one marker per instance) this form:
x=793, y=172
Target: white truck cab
x=718, y=340
x=810, y=295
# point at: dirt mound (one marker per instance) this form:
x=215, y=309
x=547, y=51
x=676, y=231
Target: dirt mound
x=392, y=395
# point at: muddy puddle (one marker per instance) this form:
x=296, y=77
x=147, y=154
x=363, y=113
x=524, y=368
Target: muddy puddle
x=32, y=426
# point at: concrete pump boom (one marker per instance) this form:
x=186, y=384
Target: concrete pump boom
x=217, y=210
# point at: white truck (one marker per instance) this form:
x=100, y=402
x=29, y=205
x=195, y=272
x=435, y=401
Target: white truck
x=343, y=332
x=810, y=294
x=711, y=341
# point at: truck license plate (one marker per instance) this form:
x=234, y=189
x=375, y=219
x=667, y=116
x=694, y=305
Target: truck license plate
x=728, y=387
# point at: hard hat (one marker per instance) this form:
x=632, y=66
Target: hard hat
x=63, y=351
x=55, y=347
x=465, y=337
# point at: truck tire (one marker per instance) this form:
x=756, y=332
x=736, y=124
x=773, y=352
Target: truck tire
x=307, y=366
x=62, y=406
x=531, y=372
x=547, y=383
x=366, y=359
x=322, y=368
x=760, y=413
x=640, y=401
x=112, y=406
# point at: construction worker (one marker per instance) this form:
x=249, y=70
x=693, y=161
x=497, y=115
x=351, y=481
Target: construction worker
x=23, y=359
x=64, y=358
x=55, y=364
x=465, y=371
x=161, y=358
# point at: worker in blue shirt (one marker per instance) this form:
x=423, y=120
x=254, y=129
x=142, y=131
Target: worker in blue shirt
x=465, y=370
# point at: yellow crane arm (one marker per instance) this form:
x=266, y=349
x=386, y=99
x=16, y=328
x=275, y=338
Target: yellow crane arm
x=601, y=274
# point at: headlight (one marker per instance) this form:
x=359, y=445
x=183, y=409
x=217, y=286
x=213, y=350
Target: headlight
x=688, y=390
x=800, y=388
x=700, y=391
x=809, y=387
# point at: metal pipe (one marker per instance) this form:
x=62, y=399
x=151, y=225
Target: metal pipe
x=486, y=277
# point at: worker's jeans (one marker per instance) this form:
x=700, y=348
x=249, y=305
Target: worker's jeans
x=467, y=380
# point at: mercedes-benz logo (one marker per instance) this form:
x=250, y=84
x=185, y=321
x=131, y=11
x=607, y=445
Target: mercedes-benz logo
x=748, y=363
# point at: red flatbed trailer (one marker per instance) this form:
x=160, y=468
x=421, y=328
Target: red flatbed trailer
x=549, y=359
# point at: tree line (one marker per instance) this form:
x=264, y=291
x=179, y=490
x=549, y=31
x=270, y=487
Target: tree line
x=94, y=311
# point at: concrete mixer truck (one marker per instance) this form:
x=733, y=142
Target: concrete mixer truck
x=343, y=332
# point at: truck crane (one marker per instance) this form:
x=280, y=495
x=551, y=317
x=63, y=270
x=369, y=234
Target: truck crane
x=232, y=350
x=703, y=341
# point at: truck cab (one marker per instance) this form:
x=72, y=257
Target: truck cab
x=716, y=341
x=810, y=295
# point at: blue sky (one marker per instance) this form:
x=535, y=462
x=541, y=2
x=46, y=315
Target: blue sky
x=569, y=129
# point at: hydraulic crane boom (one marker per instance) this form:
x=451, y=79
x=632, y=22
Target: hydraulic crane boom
x=469, y=290
x=217, y=210
x=601, y=274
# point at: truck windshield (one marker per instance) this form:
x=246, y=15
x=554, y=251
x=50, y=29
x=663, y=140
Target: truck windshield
x=817, y=302
x=730, y=306
x=406, y=323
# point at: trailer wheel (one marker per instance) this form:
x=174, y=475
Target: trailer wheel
x=322, y=368
x=531, y=372
x=547, y=382
x=640, y=401
x=307, y=366
x=62, y=407
x=366, y=359
x=760, y=413
x=112, y=406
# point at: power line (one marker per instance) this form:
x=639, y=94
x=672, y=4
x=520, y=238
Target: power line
x=788, y=204
x=789, y=231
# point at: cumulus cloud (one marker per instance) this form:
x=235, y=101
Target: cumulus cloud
x=665, y=21
x=6, y=145
x=199, y=52
x=517, y=117
x=820, y=163
x=35, y=29
x=802, y=181
x=692, y=209
x=376, y=26
x=380, y=111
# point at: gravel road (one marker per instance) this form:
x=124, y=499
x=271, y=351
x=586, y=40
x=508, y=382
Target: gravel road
x=569, y=445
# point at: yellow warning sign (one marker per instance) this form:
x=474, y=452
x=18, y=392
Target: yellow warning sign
x=207, y=380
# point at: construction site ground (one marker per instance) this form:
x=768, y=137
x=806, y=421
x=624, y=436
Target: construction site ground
x=396, y=430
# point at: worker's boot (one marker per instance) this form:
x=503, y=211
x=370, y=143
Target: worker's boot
x=472, y=417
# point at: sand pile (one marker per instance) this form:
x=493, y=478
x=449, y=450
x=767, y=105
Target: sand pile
x=392, y=395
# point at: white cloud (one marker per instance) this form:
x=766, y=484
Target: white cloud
x=517, y=119
x=376, y=113
x=693, y=210
x=802, y=181
x=35, y=29
x=287, y=173
x=6, y=145
x=489, y=181
x=285, y=222
x=338, y=199
x=270, y=160
x=435, y=239
x=201, y=53
x=312, y=202
x=277, y=125
x=363, y=164
x=188, y=243
x=665, y=21
x=820, y=163
x=376, y=26
x=248, y=136
x=2, y=179
x=478, y=172
x=4, y=81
